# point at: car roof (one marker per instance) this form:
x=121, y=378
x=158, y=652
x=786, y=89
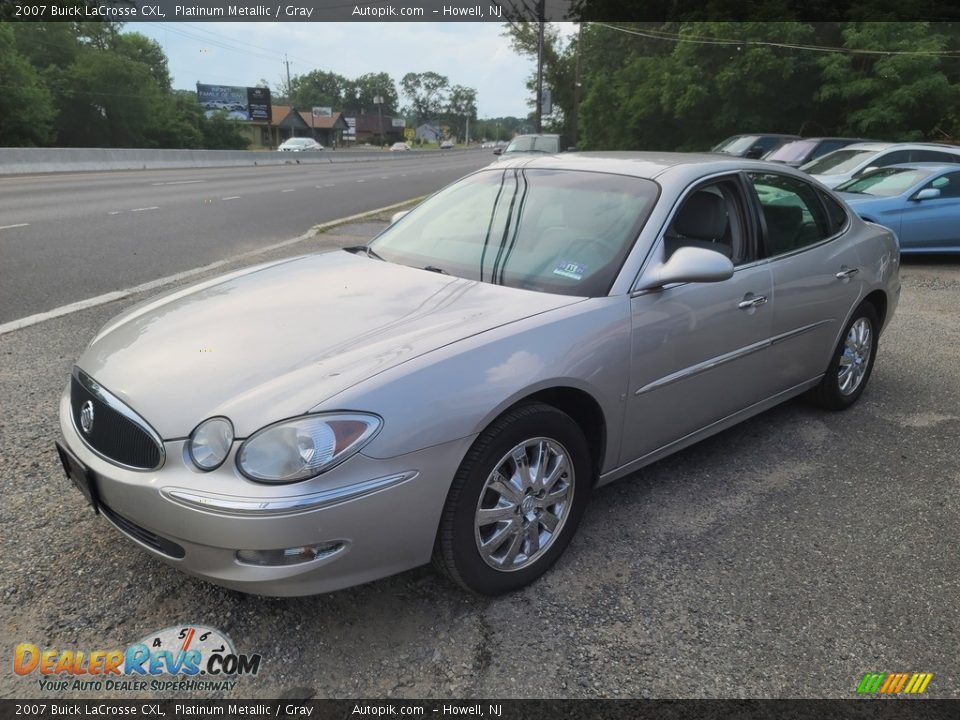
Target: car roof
x=830, y=138
x=648, y=165
x=902, y=146
x=932, y=166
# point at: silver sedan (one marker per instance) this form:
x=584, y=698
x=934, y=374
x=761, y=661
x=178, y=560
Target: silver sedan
x=455, y=390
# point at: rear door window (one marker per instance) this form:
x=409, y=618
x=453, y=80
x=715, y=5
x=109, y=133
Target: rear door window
x=793, y=213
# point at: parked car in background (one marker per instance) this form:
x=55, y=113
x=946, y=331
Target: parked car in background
x=855, y=160
x=447, y=145
x=799, y=152
x=752, y=146
x=526, y=144
x=456, y=388
x=399, y=147
x=919, y=202
x=300, y=145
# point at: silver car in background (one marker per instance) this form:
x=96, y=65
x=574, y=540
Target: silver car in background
x=856, y=160
x=456, y=389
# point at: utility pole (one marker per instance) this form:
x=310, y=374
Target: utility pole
x=379, y=102
x=576, y=84
x=286, y=62
x=541, y=11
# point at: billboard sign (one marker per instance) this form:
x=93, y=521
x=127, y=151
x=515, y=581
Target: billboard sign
x=240, y=103
x=351, y=132
x=322, y=112
x=399, y=122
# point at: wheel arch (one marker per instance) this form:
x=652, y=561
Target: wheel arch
x=878, y=298
x=582, y=407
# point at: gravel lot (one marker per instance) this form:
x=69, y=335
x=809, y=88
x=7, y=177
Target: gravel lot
x=783, y=558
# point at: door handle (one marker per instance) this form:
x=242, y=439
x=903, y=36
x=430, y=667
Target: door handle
x=752, y=302
x=847, y=273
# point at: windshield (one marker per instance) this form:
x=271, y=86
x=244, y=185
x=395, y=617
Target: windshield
x=839, y=162
x=885, y=183
x=737, y=146
x=563, y=232
x=534, y=143
x=792, y=151
x=298, y=141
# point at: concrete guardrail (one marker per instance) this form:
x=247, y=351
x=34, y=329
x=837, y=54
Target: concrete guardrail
x=21, y=161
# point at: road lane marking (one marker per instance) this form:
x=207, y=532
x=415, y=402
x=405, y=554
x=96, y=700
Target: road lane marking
x=384, y=177
x=8, y=227
x=152, y=207
x=171, y=279
x=179, y=182
x=288, y=190
x=361, y=180
x=232, y=197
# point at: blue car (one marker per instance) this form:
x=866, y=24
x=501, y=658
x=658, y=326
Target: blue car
x=920, y=202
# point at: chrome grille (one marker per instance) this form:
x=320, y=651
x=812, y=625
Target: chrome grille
x=117, y=433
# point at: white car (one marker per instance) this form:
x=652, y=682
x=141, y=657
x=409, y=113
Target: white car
x=854, y=160
x=300, y=145
x=399, y=147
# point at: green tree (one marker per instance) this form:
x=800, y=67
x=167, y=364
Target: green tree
x=891, y=96
x=317, y=88
x=368, y=87
x=461, y=104
x=221, y=133
x=30, y=112
x=426, y=93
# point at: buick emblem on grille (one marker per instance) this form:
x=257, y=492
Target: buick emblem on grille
x=86, y=417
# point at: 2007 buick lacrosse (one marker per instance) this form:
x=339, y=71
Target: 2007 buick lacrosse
x=456, y=389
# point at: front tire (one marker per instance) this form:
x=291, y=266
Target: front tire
x=852, y=362
x=515, y=502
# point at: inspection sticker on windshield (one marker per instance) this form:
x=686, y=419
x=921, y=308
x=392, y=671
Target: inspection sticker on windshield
x=574, y=271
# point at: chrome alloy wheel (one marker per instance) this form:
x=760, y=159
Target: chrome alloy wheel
x=856, y=356
x=524, y=504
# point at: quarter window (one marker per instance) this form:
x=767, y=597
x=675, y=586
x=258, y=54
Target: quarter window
x=793, y=213
x=836, y=215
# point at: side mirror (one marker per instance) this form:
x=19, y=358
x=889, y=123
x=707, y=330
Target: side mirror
x=498, y=151
x=927, y=194
x=397, y=215
x=689, y=264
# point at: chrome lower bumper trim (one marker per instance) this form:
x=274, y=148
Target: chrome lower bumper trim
x=231, y=505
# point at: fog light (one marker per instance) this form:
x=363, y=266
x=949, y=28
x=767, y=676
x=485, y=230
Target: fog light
x=288, y=556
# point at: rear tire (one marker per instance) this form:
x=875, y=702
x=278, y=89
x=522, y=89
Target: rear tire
x=515, y=502
x=852, y=362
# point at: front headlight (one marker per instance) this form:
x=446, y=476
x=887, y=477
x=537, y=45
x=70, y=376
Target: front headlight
x=302, y=448
x=210, y=443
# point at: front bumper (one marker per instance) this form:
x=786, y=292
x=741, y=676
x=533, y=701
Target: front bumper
x=384, y=527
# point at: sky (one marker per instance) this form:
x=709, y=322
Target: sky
x=239, y=53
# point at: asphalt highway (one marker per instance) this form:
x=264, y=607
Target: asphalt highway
x=69, y=237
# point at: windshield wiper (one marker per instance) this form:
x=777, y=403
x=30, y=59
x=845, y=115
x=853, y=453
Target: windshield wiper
x=366, y=249
x=434, y=268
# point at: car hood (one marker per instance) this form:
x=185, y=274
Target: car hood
x=861, y=200
x=274, y=341
x=831, y=181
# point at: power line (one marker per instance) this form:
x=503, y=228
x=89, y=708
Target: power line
x=705, y=40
